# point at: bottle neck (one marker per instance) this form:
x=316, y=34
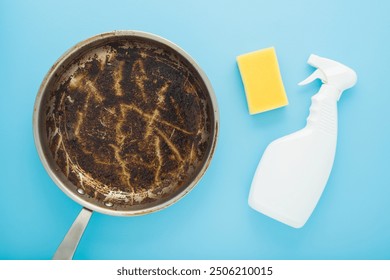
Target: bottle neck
x=330, y=91
x=323, y=110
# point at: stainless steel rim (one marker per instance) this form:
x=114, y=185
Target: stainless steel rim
x=41, y=149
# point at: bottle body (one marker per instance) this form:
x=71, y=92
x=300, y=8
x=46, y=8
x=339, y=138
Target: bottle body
x=294, y=169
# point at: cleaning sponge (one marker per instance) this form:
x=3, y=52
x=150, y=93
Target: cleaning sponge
x=262, y=80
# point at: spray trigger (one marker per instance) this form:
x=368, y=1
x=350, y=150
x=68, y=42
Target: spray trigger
x=318, y=74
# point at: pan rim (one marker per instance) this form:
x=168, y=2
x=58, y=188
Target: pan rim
x=41, y=149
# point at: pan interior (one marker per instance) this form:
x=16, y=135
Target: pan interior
x=128, y=123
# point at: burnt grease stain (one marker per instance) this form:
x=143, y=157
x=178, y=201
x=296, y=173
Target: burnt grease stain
x=130, y=124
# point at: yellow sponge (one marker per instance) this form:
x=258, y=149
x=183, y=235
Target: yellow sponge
x=262, y=80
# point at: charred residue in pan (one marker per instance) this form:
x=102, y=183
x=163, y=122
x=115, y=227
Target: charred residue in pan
x=130, y=124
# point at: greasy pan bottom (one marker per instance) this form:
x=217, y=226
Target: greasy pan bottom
x=125, y=123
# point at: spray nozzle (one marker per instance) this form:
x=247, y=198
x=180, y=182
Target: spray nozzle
x=330, y=72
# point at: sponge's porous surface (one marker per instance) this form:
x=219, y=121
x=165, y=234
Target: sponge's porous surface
x=262, y=80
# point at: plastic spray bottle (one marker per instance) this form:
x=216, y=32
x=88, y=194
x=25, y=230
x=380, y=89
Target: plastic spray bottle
x=294, y=169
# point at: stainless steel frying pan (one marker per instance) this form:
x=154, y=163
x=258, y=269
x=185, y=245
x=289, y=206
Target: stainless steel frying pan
x=125, y=123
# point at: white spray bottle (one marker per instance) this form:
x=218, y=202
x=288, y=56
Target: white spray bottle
x=294, y=169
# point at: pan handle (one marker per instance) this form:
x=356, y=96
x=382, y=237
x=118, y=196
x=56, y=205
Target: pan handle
x=68, y=246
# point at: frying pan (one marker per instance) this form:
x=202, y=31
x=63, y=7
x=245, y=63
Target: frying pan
x=125, y=123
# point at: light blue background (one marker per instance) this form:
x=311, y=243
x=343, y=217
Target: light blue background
x=352, y=219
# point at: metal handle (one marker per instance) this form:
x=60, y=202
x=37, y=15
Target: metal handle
x=68, y=246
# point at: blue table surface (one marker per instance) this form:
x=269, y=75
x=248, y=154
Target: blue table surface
x=352, y=219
